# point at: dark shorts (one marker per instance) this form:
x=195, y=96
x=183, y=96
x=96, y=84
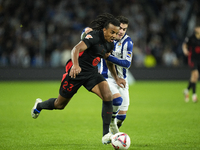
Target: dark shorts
x=194, y=65
x=69, y=86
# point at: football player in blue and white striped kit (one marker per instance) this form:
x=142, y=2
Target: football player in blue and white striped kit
x=121, y=57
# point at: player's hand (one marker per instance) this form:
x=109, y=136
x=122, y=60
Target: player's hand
x=75, y=70
x=87, y=30
x=121, y=82
x=106, y=55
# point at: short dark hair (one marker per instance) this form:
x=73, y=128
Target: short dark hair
x=103, y=20
x=123, y=19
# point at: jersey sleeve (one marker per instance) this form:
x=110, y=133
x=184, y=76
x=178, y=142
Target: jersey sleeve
x=126, y=61
x=83, y=34
x=129, y=50
x=90, y=39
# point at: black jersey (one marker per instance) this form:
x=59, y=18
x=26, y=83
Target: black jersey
x=194, y=48
x=97, y=46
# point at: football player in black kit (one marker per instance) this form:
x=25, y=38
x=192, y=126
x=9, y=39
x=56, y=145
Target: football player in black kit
x=191, y=48
x=82, y=69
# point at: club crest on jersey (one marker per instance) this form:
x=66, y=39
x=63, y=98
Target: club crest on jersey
x=88, y=36
x=120, y=44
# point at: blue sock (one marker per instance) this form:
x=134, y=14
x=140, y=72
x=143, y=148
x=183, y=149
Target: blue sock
x=116, y=103
x=120, y=119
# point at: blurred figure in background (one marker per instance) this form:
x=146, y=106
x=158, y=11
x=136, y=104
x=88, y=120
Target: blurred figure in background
x=169, y=58
x=55, y=58
x=191, y=48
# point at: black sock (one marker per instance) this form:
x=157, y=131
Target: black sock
x=49, y=104
x=107, y=111
x=194, y=88
x=119, y=124
x=189, y=85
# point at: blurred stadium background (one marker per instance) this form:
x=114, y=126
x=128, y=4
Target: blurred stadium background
x=36, y=37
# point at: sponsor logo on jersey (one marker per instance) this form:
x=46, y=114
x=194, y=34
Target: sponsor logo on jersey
x=88, y=36
x=129, y=54
x=96, y=61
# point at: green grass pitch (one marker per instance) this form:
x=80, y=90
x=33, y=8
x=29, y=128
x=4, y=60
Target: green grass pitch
x=158, y=118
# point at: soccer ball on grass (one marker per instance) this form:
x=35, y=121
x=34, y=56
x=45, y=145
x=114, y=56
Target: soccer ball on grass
x=120, y=141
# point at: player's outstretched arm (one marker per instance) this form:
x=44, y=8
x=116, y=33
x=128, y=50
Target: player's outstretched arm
x=185, y=49
x=121, y=62
x=124, y=62
x=76, y=69
x=120, y=82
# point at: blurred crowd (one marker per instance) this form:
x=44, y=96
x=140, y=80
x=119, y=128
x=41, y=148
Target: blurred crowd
x=41, y=33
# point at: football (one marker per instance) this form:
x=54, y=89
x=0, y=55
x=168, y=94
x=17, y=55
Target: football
x=120, y=141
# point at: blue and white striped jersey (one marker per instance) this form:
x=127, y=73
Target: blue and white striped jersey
x=121, y=57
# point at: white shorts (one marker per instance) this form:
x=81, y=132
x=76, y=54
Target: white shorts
x=123, y=92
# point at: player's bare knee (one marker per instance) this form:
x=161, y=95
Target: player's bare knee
x=194, y=78
x=60, y=107
x=108, y=96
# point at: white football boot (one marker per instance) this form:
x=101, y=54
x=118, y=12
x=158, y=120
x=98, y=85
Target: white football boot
x=113, y=128
x=186, y=95
x=194, y=98
x=106, y=139
x=34, y=112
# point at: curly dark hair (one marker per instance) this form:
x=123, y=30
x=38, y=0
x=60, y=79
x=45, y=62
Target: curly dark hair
x=103, y=20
